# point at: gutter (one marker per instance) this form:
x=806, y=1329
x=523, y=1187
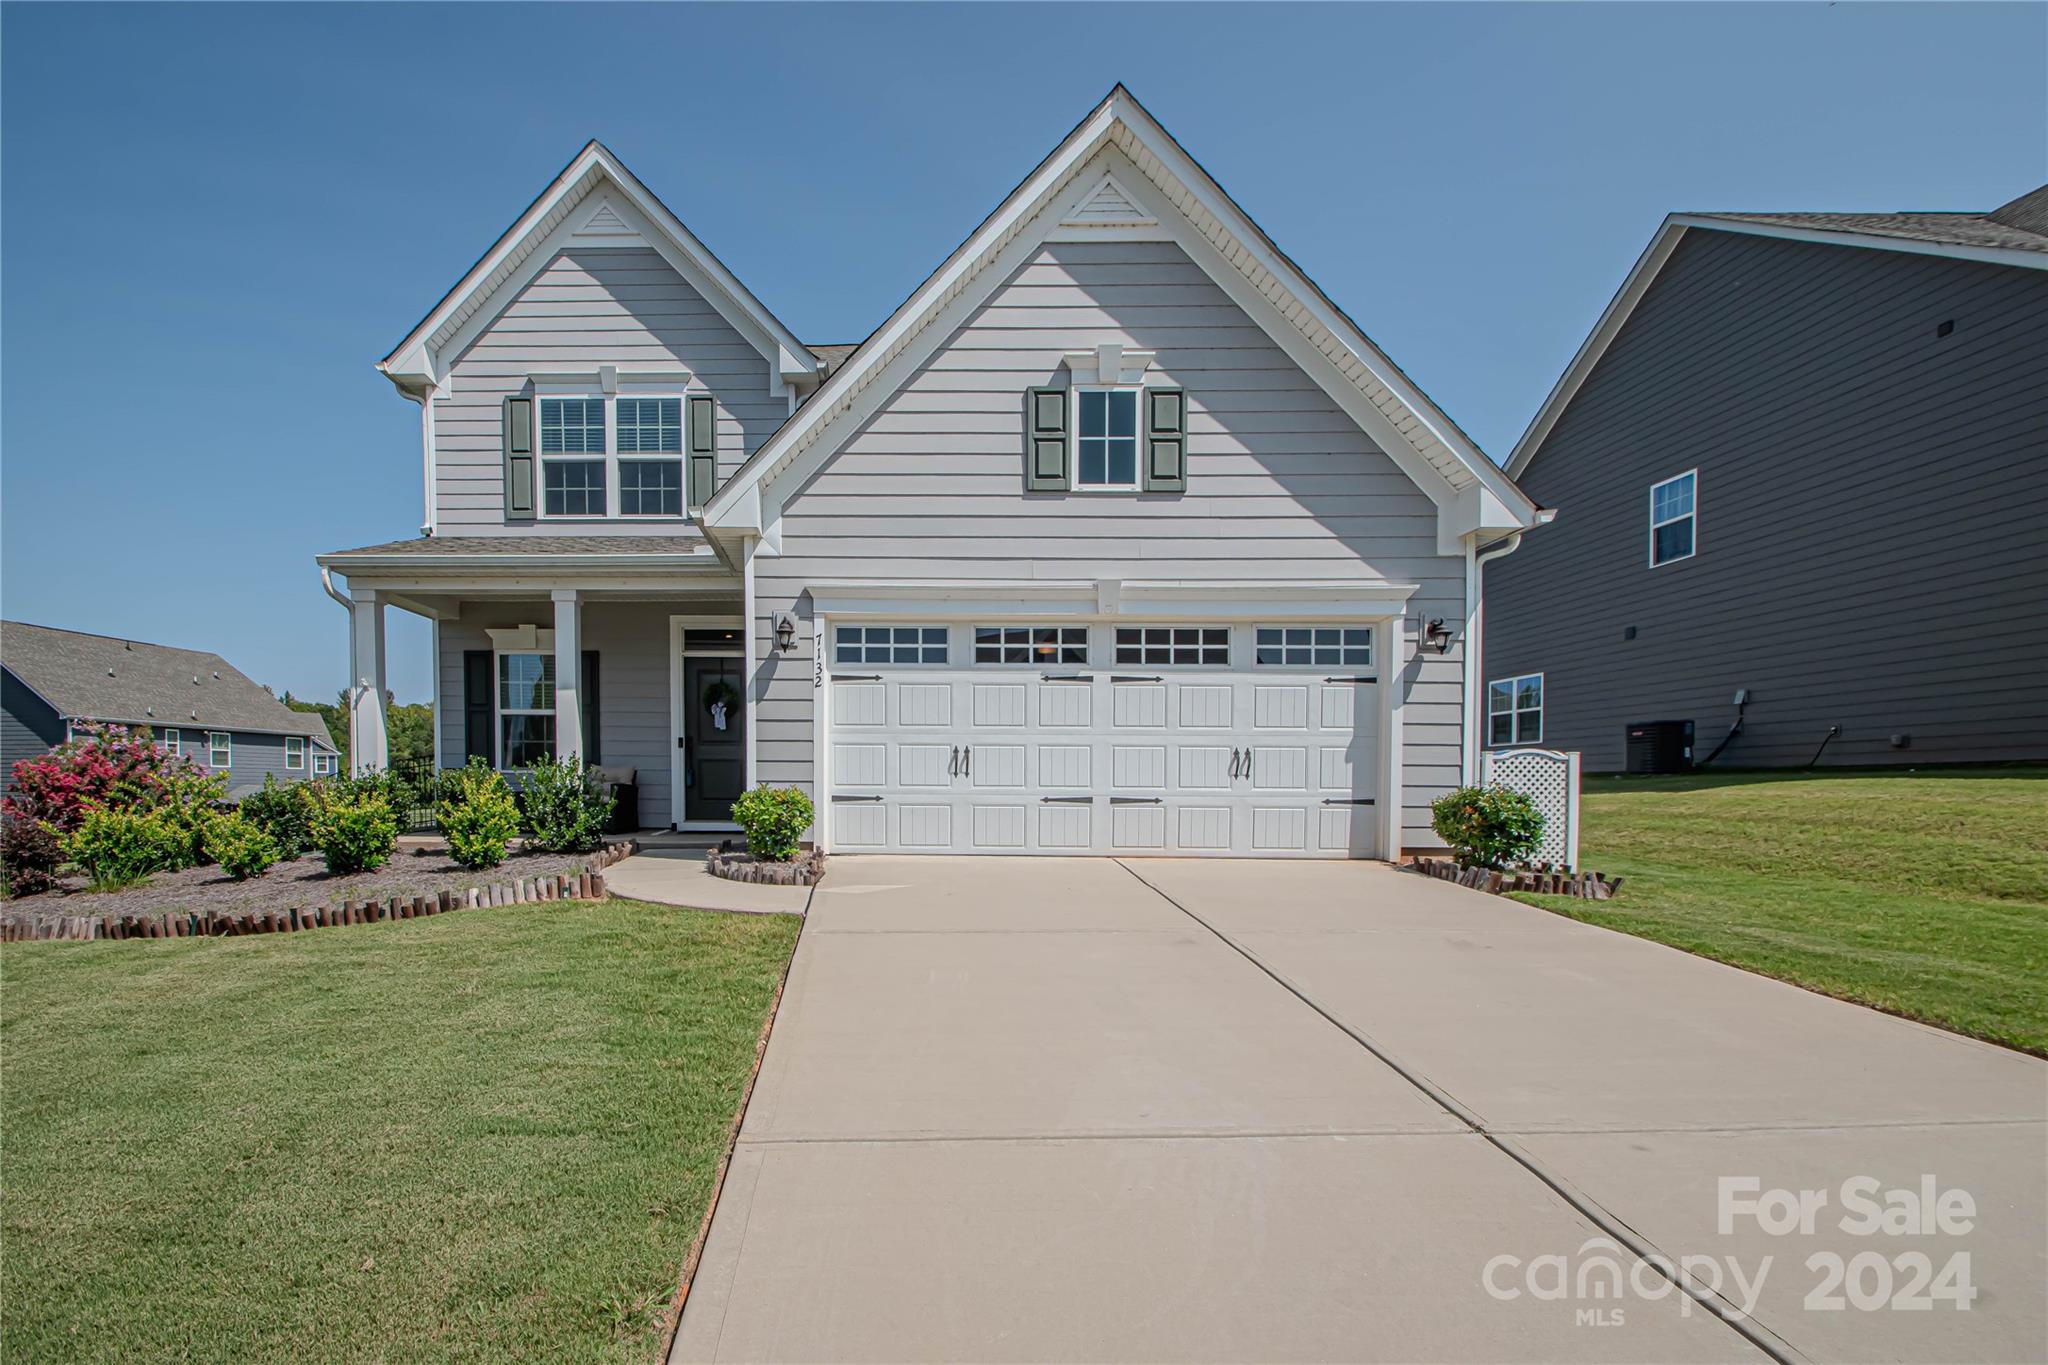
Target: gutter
x=1475, y=634
x=345, y=562
x=348, y=604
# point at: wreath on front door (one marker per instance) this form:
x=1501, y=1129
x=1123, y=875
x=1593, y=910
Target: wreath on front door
x=720, y=698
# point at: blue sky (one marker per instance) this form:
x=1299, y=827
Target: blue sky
x=216, y=218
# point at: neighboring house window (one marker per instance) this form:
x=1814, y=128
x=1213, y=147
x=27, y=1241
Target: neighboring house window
x=1173, y=644
x=650, y=426
x=323, y=765
x=294, y=753
x=1673, y=518
x=220, y=749
x=1031, y=644
x=526, y=709
x=1327, y=646
x=1106, y=438
x=1514, y=710
x=572, y=487
x=174, y=743
x=889, y=645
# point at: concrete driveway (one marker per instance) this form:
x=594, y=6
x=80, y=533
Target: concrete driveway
x=1037, y=1109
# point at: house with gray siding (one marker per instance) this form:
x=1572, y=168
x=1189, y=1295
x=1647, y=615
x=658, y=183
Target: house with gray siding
x=53, y=683
x=1117, y=536
x=1801, y=465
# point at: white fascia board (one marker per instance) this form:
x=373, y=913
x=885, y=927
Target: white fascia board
x=1194, y=600
x=700, y=558
x=1876, y=241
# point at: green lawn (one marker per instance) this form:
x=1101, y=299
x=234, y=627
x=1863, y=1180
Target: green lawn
x=1925, y=894
x=482, y=1136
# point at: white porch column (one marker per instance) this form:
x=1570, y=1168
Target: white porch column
x=368, y=750
x=568, y=673
x=750, y=663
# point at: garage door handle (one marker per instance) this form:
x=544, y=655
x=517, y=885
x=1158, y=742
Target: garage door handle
x=967, y=761
x=1066, y=677
x=1348, y=801
x=856, y=677
x=1116, y=678
x=1352, y=680
x=841, y=796
x=953, y=763
x=1135, y=800
x=1236, y=761
x=1066, y=800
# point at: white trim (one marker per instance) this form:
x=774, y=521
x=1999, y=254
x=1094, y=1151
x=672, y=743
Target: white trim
x=750, y=672
x=499, y=711
x=172, y=740
x=1137, y=392
x=1651, y=263
x=434, y=683
x=676, y=626
x=1692, y=515
x=227, y=738
x=290, y=766
x=1156, y=600
x=1514, y=685
x=526, y=639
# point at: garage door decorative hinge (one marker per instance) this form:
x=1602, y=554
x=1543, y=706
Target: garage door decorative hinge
x=1348, y=801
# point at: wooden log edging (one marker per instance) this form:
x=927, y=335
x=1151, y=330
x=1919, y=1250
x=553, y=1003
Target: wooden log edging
x=803, y=870
x=585, y=885
x=1541, y=879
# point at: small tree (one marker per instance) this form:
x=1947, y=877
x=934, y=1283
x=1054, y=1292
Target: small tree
x=774, y=819
x=1487, y=826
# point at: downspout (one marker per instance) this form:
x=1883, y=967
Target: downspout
x=1474, y=712
x=348, y=604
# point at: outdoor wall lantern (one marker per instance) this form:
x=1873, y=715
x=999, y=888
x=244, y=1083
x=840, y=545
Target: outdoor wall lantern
x=785, y=632
x=1437, y=635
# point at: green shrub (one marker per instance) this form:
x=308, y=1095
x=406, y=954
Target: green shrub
x=354, y=830
x=240, y=846
x=477, y=814
x=117, y=848
x=190, y=801
x=566, y=806
x=774, y=819
x=280, y=810
x=1487, y=826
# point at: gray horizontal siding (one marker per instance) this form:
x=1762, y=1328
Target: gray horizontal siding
x=29, y=726
x=589, y=307
x=1873, y=522
x=635, y=727
x=1281, y=484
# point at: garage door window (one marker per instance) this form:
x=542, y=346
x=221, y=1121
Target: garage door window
x=889, y=645
x=1173, y=645
x=1031, y=644
x=1323, y=646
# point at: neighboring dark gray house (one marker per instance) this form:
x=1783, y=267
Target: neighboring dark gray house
x=1803, y=458
x=193, y=702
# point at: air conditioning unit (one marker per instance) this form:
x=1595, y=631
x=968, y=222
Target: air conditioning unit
x=1660, y=746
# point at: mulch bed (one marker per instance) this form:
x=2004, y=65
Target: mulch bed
x=302, y=882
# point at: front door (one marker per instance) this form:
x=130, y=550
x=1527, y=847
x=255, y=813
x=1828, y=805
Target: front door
x=714, y=738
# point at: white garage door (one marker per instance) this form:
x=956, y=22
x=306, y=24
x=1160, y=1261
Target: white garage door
x=1251, y=747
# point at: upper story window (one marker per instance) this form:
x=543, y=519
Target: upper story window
x=1323, y=646
x=1674, y=518
x=294, y=753
x=650, y=487
x=572, y=487
x=1031, y=644
x=1514, y=710
x=889, y=645
x=1106, y=438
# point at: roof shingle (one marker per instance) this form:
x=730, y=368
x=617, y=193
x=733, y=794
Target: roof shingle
x=2021, y=225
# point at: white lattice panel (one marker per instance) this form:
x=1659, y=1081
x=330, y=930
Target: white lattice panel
x=1550, y=778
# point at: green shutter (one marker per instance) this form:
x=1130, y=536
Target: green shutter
x=518, y=458
x=1045, y=441
x=703, y=446
x=1166, y=441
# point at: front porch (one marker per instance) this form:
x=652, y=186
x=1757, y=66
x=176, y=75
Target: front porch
x=630, y=659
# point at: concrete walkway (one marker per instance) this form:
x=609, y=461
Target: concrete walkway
x=1085, y=1110
x=672, y=873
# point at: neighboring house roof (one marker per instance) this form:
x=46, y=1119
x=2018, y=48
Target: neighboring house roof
x=2014, y=234
x=1244, y=260
x=633, y=214
x=105, y=678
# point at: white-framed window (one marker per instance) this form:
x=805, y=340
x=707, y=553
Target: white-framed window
x=323, y=764
x=526, y=708
x=1514, y=710
x=1674, y=518
x=294, y=752
x=1031, y=644
x=220, y=749
x=1106, y=436
x=650, y=427
x=1319, y=646
x=1173, y=645
x=572, y=483
x=889, y=644
x=172, y=742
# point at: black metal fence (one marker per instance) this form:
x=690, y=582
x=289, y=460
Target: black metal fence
x=419, y=781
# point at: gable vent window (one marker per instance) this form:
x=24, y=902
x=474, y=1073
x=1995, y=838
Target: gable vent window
x=1674, y=518
x=1173, y=645
x=570, y=487
x=1106, y=439
x=1031, y=644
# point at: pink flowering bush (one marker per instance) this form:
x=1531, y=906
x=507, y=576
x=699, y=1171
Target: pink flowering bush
x=109, y=769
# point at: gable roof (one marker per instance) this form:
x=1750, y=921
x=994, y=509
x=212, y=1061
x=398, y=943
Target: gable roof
x=2014, y=233
x=105, y=678
x=417, y=361
x=1415, y=431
